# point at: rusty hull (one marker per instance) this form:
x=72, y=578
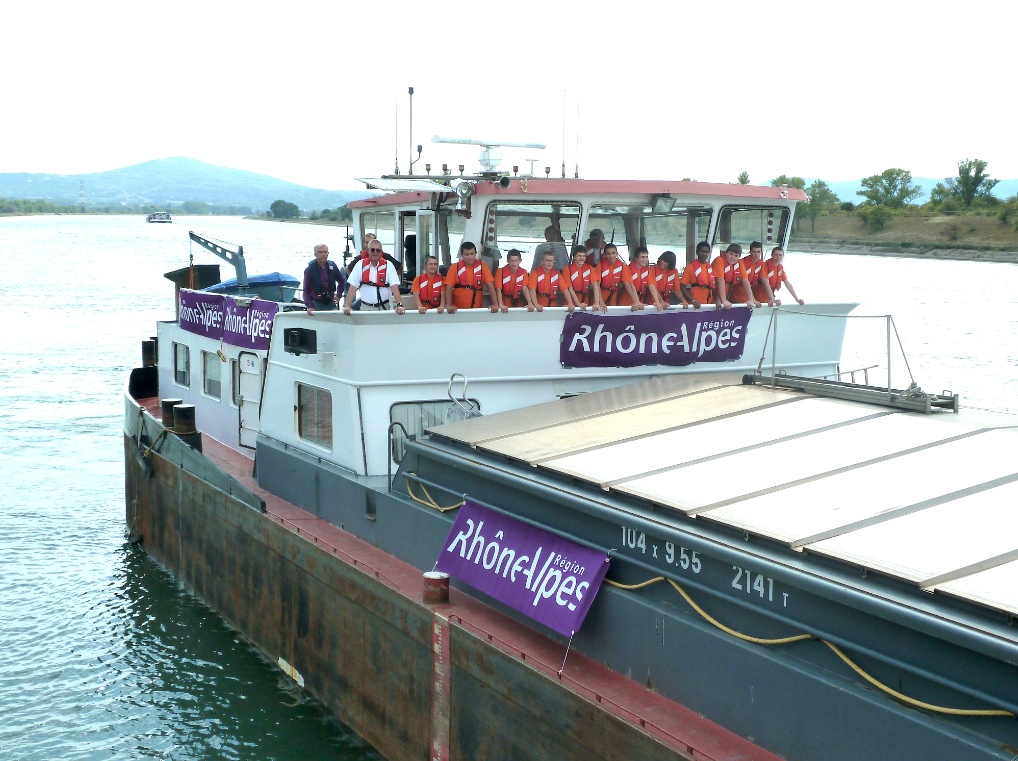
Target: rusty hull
x=416, y=681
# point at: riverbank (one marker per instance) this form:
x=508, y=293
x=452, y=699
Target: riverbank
x=968, y=237
x=905, y=250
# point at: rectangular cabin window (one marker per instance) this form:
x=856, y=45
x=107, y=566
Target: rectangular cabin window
x=314, y=414
x=745, y=224
x=211, y=374
x=181, y=364
x=629, y=226
x=415, y=417
x=381, y=224
x=235, y=382
x=532, y=228
x=451, y=228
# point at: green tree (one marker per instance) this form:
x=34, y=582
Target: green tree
x=874, y=217
x=194, y=207
x=820, y=197
x=744, y=178
x=284, y=209
x=972, y=181
x=892, y=188
x=939, y=194
x=792, y=182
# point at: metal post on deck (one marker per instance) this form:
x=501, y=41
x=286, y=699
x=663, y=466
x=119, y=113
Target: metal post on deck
x=774, y=347
x=888, y=358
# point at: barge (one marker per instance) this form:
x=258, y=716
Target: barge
x=797, y=567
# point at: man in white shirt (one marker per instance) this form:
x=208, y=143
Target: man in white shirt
x=377, y=280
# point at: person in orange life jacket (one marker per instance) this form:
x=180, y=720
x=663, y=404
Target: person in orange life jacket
x=643, y=282
x=697, y=278
x=546, y=284
x=511, y=283
x=615, y=280
x=429, y=287
x=467, y=280
x=756, y=275
x=776, y=274
x=667, y=280
x=377, y=280
x=324, y=281
x=595, y=247
x=729, y=274
x=582, y=287
x=697, y=285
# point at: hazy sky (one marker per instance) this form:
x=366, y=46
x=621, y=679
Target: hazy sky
x=308, y=91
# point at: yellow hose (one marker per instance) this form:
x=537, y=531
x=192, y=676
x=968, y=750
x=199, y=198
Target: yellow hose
x=800, y=637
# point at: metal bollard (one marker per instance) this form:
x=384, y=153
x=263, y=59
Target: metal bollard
x=167, y=407
x=436, y=587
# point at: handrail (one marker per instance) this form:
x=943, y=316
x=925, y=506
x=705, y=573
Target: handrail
x=392, y=454
x=465, y=404
x=913, y=390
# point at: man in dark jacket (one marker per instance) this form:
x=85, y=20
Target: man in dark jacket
x=323, y=282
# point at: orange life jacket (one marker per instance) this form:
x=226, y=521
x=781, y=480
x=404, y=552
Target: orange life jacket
x=380, y=272
x=775, y=274
x=666, y=281
x=547, y=286
x=611, y=280
x=754, y=272
x=579, y=280
x=703, y=275
x=641, y=277
x=430, y=288
x=510, y=285
x=471, y=279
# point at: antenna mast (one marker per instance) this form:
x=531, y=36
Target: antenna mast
x=396, y=133
x=419, y=147
x=563, y=134
x=577, y=156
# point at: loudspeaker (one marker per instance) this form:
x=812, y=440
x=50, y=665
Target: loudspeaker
x=300, y=341
x=504, y=182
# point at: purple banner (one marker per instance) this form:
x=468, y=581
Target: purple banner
x=224, y=319
x=543, y=576
x=249, y=326
x=202, y=313
x=675, y=338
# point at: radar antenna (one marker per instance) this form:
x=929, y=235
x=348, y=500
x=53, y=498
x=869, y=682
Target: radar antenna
x=490, y=158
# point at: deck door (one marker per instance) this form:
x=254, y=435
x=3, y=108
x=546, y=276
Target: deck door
x=250, y=383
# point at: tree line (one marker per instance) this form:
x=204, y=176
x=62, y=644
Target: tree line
x=40, y=206
x=893, y=191
x=280, y=209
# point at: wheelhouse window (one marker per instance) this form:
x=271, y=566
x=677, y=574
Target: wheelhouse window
x=211, y=374
x=181, y=364
x=530, y=228
x=745, y=224
x=657, y=226
x=451, y=228
x=314, y=414
x=382, y=224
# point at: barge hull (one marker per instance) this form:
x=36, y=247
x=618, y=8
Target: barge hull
x=345, y=621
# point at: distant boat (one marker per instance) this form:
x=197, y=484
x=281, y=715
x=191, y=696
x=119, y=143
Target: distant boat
x=159, y=216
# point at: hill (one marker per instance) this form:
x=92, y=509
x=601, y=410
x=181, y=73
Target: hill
x=172, y=181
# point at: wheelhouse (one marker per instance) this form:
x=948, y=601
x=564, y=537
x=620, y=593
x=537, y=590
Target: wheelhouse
x=420, y=218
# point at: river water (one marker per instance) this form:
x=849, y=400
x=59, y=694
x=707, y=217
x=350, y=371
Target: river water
x=102, y=655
